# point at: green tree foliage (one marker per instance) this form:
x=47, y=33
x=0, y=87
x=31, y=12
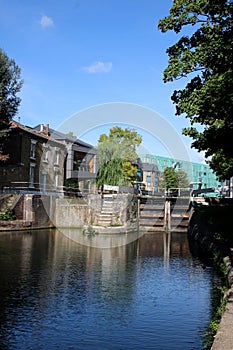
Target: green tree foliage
x=173, y=179
x=71, y=134
x=117, y=156
x=206, y=54
x=169, y=179
x=10, y=85
x=182, y=179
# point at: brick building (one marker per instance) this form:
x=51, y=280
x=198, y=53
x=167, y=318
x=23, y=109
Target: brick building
x=35, y=162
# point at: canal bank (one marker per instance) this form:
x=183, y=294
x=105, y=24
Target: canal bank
x=210, y=237
x=104, y=211
x=224, y=337
x=35, y=211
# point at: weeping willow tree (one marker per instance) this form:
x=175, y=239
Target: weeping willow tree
x=117, y=157
x=111, y=173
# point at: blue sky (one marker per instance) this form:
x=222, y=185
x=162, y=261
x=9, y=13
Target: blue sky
x=76, y=54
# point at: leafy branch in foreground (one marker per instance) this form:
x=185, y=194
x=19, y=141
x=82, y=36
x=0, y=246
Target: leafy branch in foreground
x=206, y=54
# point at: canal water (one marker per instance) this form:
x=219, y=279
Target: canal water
x=59, y=294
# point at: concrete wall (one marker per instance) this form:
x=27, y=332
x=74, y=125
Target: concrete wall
x=125, y=208
x=78, y=212
x=73, y=212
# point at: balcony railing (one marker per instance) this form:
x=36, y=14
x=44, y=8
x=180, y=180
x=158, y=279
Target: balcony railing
x=81, y=167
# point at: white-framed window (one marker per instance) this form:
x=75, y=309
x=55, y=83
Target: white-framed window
x=57, y=155
x=45, y=153
x=44, y=181
x=32, y=174
x=56, y=179
x=33, y=149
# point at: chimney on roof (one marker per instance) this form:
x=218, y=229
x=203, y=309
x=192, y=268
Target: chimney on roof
x=41, y=127
x=47, y=129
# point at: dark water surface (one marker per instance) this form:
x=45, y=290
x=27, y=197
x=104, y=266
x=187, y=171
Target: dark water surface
x=58, y=294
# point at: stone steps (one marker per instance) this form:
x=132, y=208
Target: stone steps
x=105, y=216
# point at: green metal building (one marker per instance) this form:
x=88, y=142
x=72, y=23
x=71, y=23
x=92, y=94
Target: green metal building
x=197, y=173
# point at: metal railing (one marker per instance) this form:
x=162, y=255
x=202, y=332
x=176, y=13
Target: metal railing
x=26, y=187
x=39, y=188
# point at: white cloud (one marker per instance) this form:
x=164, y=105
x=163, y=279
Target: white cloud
x=99, y=67
x=46, y=21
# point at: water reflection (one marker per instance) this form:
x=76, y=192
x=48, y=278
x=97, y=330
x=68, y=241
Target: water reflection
x=56, y=293
x=101, y=240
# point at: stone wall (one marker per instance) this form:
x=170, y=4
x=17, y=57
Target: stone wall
x=203, y=237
